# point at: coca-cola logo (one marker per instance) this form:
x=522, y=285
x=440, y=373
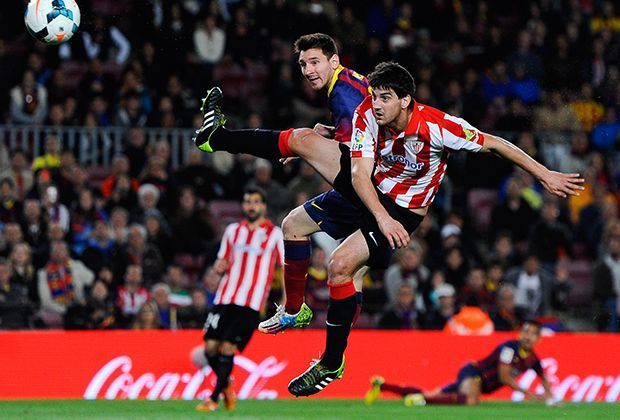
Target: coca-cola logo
x=116, y=380
x=572, y=387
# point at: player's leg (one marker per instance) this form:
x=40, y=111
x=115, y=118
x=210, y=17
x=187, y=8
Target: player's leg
x=225, y=365
x=345, y=261
x=319, y=152
x=211, y=351
x=466, y=390
x=471, y=389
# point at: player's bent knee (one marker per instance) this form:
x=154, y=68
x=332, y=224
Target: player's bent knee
x=211, y=347
x=292, y=224
x=227, y=348
x=297, y=142
x=339, y=270
x=471, y=400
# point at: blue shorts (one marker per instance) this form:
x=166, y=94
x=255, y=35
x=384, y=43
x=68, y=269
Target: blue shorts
x=334, y=214
x=467, y=371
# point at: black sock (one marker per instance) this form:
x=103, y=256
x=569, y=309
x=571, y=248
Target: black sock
x=212, y=361
x=340, y=314
x=224, y=368
x=258, y=142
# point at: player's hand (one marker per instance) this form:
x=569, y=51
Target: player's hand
x=220, y=266
x=324, y=130
x=395, y=233
x=562, y=185
x=285, y=161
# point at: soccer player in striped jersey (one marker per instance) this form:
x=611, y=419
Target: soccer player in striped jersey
x=500, y=368
x=249, y=252
x=397, y=159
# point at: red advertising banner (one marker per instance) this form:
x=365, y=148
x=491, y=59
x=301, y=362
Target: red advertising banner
x=158, y=364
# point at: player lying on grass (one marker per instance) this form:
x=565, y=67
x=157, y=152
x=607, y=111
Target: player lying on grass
x=392, y=171
x=485, y=376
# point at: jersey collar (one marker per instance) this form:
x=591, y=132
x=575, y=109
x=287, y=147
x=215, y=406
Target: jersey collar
x=332, y=83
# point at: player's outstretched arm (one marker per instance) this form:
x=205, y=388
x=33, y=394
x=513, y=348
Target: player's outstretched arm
x=506, y=378
x=557, y=183
x=361, y=172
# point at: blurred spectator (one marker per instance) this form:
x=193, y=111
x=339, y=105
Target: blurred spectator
x=402, y=313
x=175, y=279
x=147, y=318
x=131, y=296
x=407, y=270
x=97, y=312
x=61, y=283
x=158, y=234
x=475, y=291
x=99, y=246
x=317, y=292
x=198, y=176
x=191, y=228
x=210, y=283
x=507, y=317
x=23, y=271
x=555, y=115
x=550, y=239
x=20, y=173
x=83, y=217
x=535, y=287
x=606, y=278
x=436, y=319
x=195, y=314
x=120, y=166
x=138, y=251
x=514, y=215
x=209, y=41
x=306, y=181
x=161, y=299
x=119, y=219
x=55, y=211
x=28, y=101
x=10, y=205
x=277, y=196
x=50, y=159
x=577, y=160
x=606, y=135
x=33, y=224
x=15, y=307
x=589, y=111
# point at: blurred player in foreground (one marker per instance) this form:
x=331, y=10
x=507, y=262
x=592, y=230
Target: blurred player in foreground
x=248, y=254
x=485, y=376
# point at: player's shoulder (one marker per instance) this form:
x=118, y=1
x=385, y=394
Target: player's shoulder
x=348, y=74
x=365, y=105
x=350, y=83
x=429, y=113
x=514, y=344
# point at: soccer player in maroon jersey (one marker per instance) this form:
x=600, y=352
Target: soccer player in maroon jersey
x=382, y=174
x=329, y=212
x=500, y=368
x=248, y=254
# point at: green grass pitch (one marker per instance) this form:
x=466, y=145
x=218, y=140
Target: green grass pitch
x=297, y=409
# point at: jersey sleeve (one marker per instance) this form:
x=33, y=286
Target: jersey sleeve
x=365, y=134
x=343, y=108
x=458, y=134
x=225, y=244
x=506, y=354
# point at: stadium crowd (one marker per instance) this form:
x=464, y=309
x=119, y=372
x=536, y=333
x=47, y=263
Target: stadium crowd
x=133, y=249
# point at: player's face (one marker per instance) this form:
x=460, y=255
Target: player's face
x=317, y=68
x=530, y=334
x=253, y=207
x=387, y=106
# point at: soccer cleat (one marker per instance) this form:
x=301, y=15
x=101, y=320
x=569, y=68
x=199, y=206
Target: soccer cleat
x=375, y=390
x=314, y=380
x=282, y=321
x=207, y=405
x=414, y=400
x=230, y=397
x=213, y=118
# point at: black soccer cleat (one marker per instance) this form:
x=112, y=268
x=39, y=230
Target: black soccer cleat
x=213, y=118
x=314, y=380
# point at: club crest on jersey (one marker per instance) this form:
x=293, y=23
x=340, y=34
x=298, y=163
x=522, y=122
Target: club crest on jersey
x=416, y=146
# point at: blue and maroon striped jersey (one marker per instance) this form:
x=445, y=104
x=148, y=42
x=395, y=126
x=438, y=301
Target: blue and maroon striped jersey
x=346, y=91
x=509, y=353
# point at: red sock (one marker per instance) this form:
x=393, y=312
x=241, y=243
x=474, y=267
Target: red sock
x=340, y=291
x=283, y=139
x=296, y=263
x=445, y=399
x=400, y=390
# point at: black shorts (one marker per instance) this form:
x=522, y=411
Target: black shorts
x=232, y=323
x=378, y=245
x=334, y=214
x=466, y=372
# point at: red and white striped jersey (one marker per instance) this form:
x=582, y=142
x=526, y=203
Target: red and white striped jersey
x=410, y=165
x=252, y=255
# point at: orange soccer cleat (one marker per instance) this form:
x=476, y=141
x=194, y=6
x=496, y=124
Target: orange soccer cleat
x=230, y=397
x=207, y=405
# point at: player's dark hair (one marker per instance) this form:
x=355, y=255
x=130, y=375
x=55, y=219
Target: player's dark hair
x=391, y=75
x=325, y=42
x=533, y=323
x=256, y=190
